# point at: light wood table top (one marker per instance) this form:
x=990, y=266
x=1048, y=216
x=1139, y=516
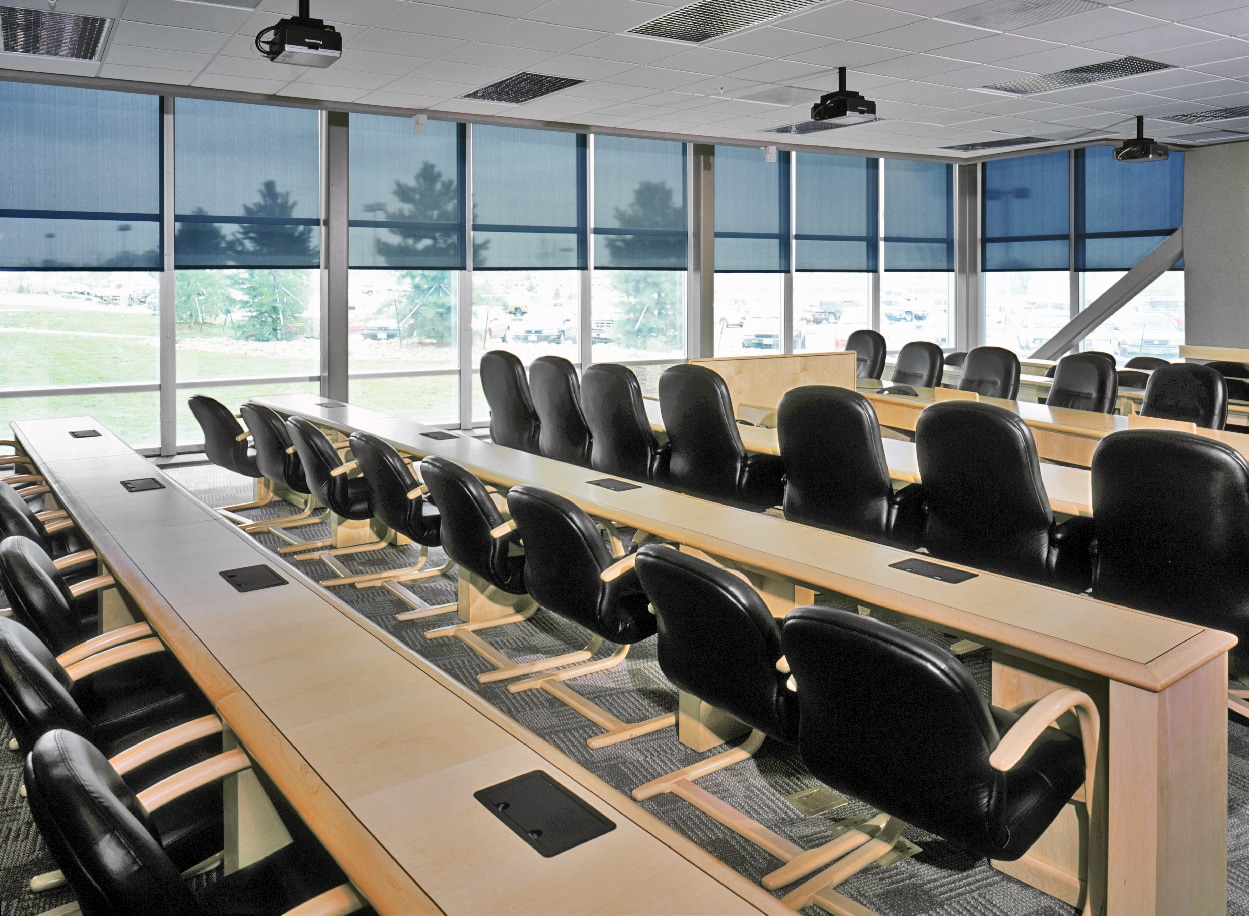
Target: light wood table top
x=378, y=750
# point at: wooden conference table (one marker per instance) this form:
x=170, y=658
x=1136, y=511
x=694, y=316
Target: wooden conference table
x=377, y=750
x=1160, y=684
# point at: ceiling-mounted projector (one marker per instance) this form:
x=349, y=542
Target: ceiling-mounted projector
x=1141, y=148
x=301, y=40
x=842, y=103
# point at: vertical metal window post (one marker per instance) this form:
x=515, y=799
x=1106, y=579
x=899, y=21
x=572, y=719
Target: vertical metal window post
x=787, y=297
x=585, y=339
x=168, y=295
x=464, y=305
x=878, y=276
x=335, y=150
x=701, y=278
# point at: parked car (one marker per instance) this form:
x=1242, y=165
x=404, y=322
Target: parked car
x=385, y=328
x=547, y=326
x=765, y=334
x=1040, y=322
x=1154, y=334
x=828, y=310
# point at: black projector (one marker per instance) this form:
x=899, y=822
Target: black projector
x=1141, y=148
x=842, y=103
x=301, y=40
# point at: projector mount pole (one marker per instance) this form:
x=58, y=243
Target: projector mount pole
x=841, y=80
x=1140, y=127
x=305, y=11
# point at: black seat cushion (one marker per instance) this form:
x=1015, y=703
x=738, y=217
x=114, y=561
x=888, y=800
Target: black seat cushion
x=564, y=555
x=221, y=432
x=1085, y=381
x=271, y=440
x=41, y=600
x=869, y=350
x=991, y=372
x=562, y=430
x=920, y=364
x=622, y=442
x=347, y=497
x=717, y=639
x=468, y=517
x=1187, y=392
x=836, y=475
x=513, y=419
x=985, y=501
x=707, y=456
x=389, y=482
x=899, y=723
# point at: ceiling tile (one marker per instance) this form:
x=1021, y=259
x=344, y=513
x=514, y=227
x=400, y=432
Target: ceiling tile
x=1236, y=69
x=451, y=72
x=1209, y=90
x=975, y=77
x=129, y=55
x=1056, y=59
x=1229, y=22
x=1145, y=42
x=322, y=93
x=492, y=55
x=927, y=35
x=441, y=20
x=617, y=16
x=144, y=35
x=998, y=47
x=851, y=19
x=399, y=100
x=238, y=83
x=386, y=41
x=1095, y=24
x=541, y=36
x=372, y=62
x=582, y=68
x=923, y=7
x=771, y=42
x=430, y=88
x=256, y=67
x=915, y=66
x=501, y=7
x=631, y=49
x=186, y=15
x=776, y=71
x=145, y=74
x=851, y=54
x=712, y=60
x=615, y=92
x=347, y=79
x=1160, y=80
x=656, y=78
x=1173, y=11
x=36, y=64
x=1206, y=53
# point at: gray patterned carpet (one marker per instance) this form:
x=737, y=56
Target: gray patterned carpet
x=940, y=880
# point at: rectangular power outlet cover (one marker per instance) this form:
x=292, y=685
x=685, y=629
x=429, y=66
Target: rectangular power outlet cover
x=84, y=433
x=611, y=483
x=543, y=813
x=252, y=578
x=139, y=484
x=933, y=570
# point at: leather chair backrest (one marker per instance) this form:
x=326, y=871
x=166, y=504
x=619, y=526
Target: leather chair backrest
x=717, y=639
x=957, y=358
x=1237, y=389
x=103, y=838
x=513, y=419
x=864, y=683
x=1187, y=392
x=991, y=372
x=271, y=440
x=389, y=482
x=34, y=688
x=319, y=458
x=564, y=555
x=706, y=451
x=17, y=519
x=1148, y=363
x=562, y=430
x=1229, y=369
x=622, y=442
x=1172, y=517
x=40, y=599
x=869, y=349
x=221, y=432
x=1132, y=378
x=836, y=475
x=468, y=517
x=986, y=504
x=920, y=364
x=1085, y=381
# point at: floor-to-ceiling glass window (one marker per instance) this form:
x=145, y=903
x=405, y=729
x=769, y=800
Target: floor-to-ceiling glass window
x=752, y=226
x=406, y=250
x=247, y=252
x=79, y=247
x=917, y=287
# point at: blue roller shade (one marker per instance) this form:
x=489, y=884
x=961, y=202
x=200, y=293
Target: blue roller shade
x=81, y=186
x=1124, y=209
x=1027, y=213
x=407, y=194
x=919, y=215
x=529, y=199
x=640, y=217
x=246, y=190
x=835, y=212
x=752, y=211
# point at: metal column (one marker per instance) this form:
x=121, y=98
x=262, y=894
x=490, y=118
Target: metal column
x=334, y=204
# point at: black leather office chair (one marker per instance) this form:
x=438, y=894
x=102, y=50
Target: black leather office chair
x=281, y=465
x=1172, y=516
x=869, y=350
x=920, y=364
x=991, y=372
x=513, y=419
x=986, y=503
x=108, y=842
x=570, y=572
x=1132, y=378
x=53, y=529
x=836, y=476
x=1085, y=381
x=900, y=724
x=1229, y=369
x=1189, y=393
x=1149, y=363
x=403, y=505
x=1108, y=357
x=957, y=358
x=225, y=444
x=562, y=430
x=707, y=455
x=622, y=443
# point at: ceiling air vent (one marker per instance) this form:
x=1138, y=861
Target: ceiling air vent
x=1208, y=116
x=48, y=34
x=998, y=144
x=812, y=127
x=713, y=18
x=1009, y=15
x=523, y=87
x=1079, y=76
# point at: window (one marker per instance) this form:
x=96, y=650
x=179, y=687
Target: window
x=1023, y=309
x=1152, y=324
x=1124, y=210
x=918, y=284
x=1027, y=213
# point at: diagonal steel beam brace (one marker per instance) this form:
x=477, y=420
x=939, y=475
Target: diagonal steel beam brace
x=1149, y=269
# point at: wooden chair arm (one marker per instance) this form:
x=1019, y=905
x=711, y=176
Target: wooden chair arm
x=51, y=515
x=782, y=665
x=201, y=774
x=117, y=637
x=78, y=589
x=502, y=531
x=14, y=479
x=59, y=524
x=242, y=437
x=619, y=568
x=10, y=443
x=157, y=745
x=70, y=560
x=1023, y=734
x=290, y=450
x=6, y=612
x=344, y=468
x=39, y=490
x=115, y=656
x=339, y=901
x=418, y=492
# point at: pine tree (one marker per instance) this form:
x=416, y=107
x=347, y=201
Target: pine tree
x=652, y=302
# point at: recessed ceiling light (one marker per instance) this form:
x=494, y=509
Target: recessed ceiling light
x=1208, y=116
x=1078, y=76
x=46, y=34
x=1010, y=15
x=523, y=87
x=712, y=18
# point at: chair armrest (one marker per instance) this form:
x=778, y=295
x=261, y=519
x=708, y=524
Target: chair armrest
x=344, y=468
x=417, y=492
x=90, y=647
x=192, y=778
x=169, y=740
x=14, y=479
x=501, y=531
x=39, y=490
x=58, y=524
x=115, y=656
x=290, y=450
x=78, y=589
x=51, y=515
x=242, y=437
x=70, y=560
x=619, y=568
x=1071, y=553
x=782, y=665
x=338, y=901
